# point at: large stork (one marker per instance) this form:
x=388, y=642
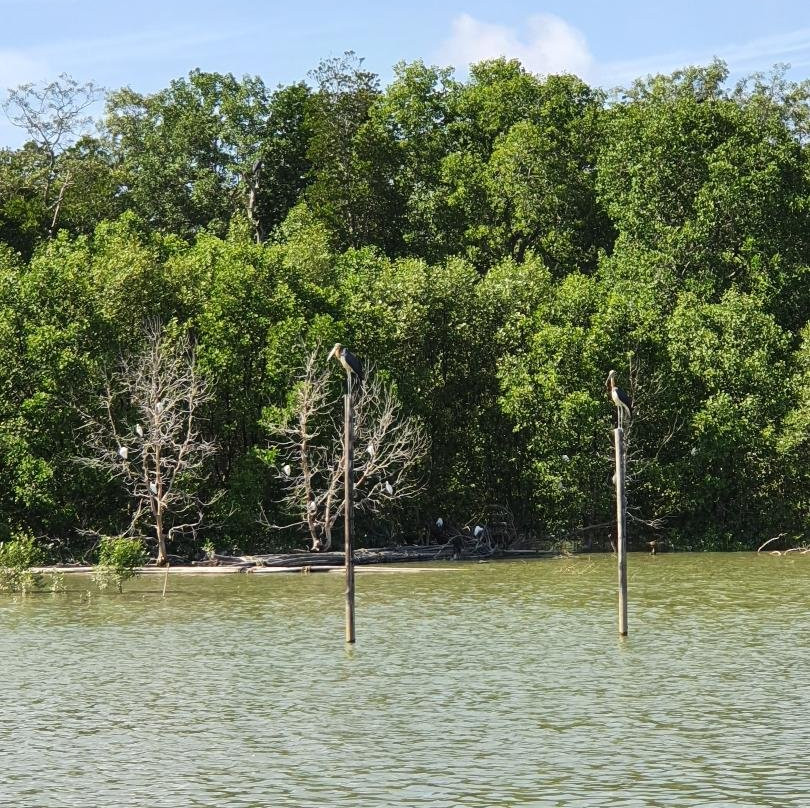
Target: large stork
x=622, y=401
x=349, y=361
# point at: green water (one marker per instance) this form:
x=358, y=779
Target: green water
x=499, y=684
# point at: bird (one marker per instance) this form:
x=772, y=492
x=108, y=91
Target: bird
x=389, y=488
x=440, y=523
x=139, y=430
x=312, y=506
x=160, y=406
x=123, y=452
x=370, y=449
x=478, y=531
x=622, y=401
x=153, y=488
x=349, y=361
x=286, y=469
x=566, y=459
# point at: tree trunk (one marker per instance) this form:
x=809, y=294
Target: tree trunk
x=58, y=207
x=161, y=538
x=251, y=205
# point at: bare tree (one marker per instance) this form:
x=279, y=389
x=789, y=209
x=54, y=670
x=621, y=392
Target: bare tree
x=390, y=448
x=146, y=432
x=53, y=115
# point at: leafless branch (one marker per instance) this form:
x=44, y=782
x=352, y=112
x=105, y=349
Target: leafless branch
x=145, y=432
x=389, y=450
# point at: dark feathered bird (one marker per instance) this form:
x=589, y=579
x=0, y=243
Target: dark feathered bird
x=622, y=401
x=349, y=361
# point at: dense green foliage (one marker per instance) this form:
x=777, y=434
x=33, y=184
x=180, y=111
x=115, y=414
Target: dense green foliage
x=118, y=561
x=17, y=557
x=493, y=245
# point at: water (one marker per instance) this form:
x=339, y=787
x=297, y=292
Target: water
x=499, y=684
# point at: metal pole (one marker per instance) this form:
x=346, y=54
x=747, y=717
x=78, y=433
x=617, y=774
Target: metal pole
x=621, y=529
x=348, y=507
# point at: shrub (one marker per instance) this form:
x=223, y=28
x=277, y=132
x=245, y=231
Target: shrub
x=16, y=559
x=118, y=560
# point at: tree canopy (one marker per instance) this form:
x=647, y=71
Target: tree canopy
x=493, y=245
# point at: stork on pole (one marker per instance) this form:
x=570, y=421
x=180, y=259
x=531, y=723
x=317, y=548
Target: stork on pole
x=624, y=408
x=353, y=367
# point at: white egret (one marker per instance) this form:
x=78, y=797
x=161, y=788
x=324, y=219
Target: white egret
x=139, y=430
x=389, y=488
x=153, y=488
x=286, y=469
x=123, y=452
x=478, y=531
x=440, y=523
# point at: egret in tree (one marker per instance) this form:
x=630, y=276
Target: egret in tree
x=622, y=401
x=440, y=523
x=350, y=362
x=478, y=531
x=370, y=450
x=389, y=489
x=287, y=469
x=153, y=488
x=123, y=452
x=139, y=430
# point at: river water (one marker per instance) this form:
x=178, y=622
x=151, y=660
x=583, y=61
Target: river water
x=494, y=684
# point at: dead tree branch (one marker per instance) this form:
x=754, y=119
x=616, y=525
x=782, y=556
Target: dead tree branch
x=390, y=450
x=145, y=431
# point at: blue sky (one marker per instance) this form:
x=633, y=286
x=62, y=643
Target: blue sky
x=146, y=44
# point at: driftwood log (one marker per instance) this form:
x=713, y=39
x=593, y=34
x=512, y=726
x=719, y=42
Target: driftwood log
x=423, y=553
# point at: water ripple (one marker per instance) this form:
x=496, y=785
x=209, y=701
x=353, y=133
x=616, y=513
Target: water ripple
x=502, y=684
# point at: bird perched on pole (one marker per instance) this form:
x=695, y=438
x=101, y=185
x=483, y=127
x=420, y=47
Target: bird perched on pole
x=349, y=361
x=622, y=401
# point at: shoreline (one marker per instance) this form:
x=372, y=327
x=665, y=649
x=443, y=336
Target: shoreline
x=365, y=560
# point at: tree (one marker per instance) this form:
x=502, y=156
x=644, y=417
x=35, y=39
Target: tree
x=389, y=449
x=352, y=158
x=192, y=153
x=146, y=432
x=54, y=116
x=280, y=174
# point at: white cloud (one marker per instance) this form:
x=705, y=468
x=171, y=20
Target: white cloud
x=545, y=43
x=548, y=44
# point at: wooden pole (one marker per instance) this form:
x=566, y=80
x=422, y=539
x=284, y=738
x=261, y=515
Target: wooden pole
x=348, y=507
x=621, y=528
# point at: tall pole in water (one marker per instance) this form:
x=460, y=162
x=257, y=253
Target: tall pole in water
x=621, y=528
x=348, y=507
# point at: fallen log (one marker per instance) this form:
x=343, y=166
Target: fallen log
x=314, y=562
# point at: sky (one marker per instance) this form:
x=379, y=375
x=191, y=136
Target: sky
x=148, y=43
